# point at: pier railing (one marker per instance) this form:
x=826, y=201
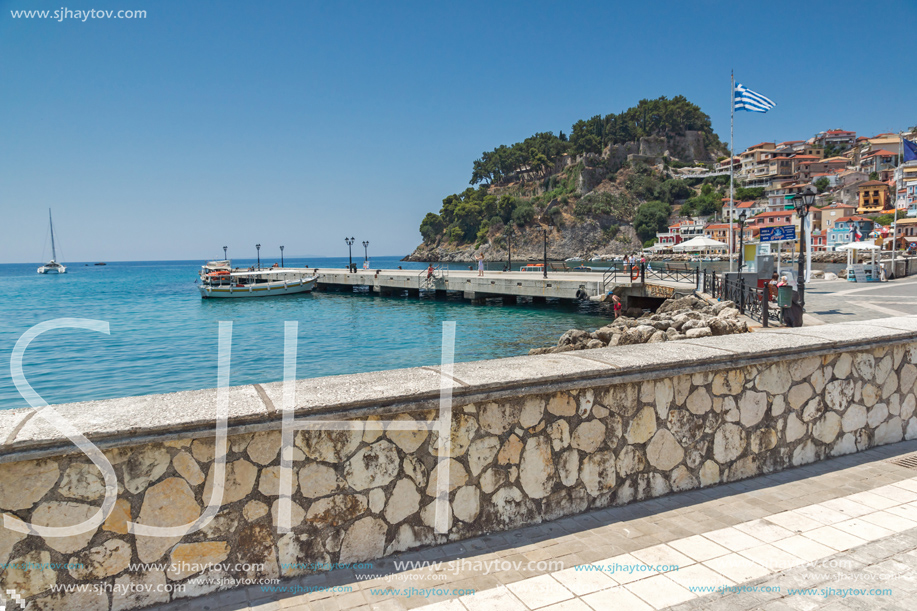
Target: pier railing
x=751, y=301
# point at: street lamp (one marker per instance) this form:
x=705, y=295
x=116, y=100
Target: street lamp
x=281, y=256
x=366, y=250
x=258, y=248
x=350, y=242
x=545, y=229
x=802, y=203
x=224, y=252
x=742, y=216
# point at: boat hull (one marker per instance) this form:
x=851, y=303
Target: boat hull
x=60, y=269
x=251, y=291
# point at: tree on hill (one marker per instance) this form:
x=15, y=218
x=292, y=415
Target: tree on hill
x=652, y=217
x=822, y=184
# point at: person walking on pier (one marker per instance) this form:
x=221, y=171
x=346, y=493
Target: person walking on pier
x=480, y=258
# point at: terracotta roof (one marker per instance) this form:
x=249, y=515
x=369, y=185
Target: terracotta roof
x=805, y=157
x=835, y=160
x=851, y=218
x=720, y=226
x=758, y=145
x=774, y=213
x=840, y=205
x=881, y=153
x=838, y=131
x=793, y=142
x=873, y=183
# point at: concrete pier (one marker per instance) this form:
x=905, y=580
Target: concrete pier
x=492, y=285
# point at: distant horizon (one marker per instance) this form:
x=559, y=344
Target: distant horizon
x=263, y=259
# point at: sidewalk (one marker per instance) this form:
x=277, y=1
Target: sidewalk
x=860, y=507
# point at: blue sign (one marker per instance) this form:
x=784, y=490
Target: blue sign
x=778, y=234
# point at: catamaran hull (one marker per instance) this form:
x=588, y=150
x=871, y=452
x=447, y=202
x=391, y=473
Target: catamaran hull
x=267, y=289
x=52, y=270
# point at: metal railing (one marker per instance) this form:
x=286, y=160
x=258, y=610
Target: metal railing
x=751, y=301
x=427, y=280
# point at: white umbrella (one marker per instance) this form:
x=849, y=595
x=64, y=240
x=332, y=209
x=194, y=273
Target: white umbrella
x=700, y=243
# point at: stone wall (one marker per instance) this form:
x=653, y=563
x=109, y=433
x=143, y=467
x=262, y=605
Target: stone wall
x=532, y=439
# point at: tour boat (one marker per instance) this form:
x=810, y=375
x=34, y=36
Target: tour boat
x=52, y=266
x=219, y=280
x=532, y=267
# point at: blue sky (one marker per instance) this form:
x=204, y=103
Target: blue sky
x=300, y=123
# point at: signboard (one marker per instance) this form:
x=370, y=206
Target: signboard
x=778, y=234
x=764, y=249
x=859, y=272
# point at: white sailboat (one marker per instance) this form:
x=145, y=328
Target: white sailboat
x=52, y=266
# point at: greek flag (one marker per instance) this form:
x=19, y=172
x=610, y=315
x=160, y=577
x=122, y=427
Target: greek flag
x=746, y=99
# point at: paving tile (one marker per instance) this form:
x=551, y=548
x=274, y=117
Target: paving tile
x=908, y=511
x=867, y=531
x=626, y=568
x=536, y=592
x=804, y=548
x=764, y=531
x=890, y=521
x=772, y=558
x=582, y=582
x=896, y=493
x=907, y=484
x=834, y=538
x=699, y=548
x=850, y=508
x=875, y=501
x=793, y=521
x=662, y=555
x=732, y=539
x=616, y=599
x=660, y=591
x=574, y=604
x=445, y=605
x=698, y=576
x=822, y=514
x=495, y=599
x=736, y=567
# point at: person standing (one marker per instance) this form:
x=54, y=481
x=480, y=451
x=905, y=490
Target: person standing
x=480, y=258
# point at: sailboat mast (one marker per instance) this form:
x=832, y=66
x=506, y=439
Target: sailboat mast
x=53, y=249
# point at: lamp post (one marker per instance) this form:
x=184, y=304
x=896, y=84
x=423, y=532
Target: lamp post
x=509, y=246
x=258, y=248
x=366, y=250
x=281, y=256
x=545, y=229
x=350, y=242
x=742, y=216
x=802, y=203
x=224, y=252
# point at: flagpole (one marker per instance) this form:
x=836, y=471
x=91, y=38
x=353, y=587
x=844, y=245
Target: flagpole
x=732, y=154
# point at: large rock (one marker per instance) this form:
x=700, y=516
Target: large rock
x=317, y=480
x=467, y=504
x=642, y=427
x=102, y=561
x=144, y=467
x=372, y=466
x=663, y=451
x=137, y=590
x=588, y=436
x=29, y=575
x=404, y=501
x=752, y=407
x=329, y=446
x=598, y=472
x=365, y=540
x=239, y=481
x=728, y=443
x=58, y=514
x=336, y=510
x=82, y=481
x=481, y=453
x=22, y=484
x=536, y=471
x=264, y=447
x=171, y=502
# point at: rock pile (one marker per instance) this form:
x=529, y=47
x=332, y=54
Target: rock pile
x=684, y=318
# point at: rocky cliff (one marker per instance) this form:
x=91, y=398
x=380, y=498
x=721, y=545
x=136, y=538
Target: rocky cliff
x=582, y=239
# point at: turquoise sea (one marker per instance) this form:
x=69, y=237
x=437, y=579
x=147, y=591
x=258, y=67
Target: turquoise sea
x=164, y=336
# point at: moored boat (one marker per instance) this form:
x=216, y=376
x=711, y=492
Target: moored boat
x=219, y=280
